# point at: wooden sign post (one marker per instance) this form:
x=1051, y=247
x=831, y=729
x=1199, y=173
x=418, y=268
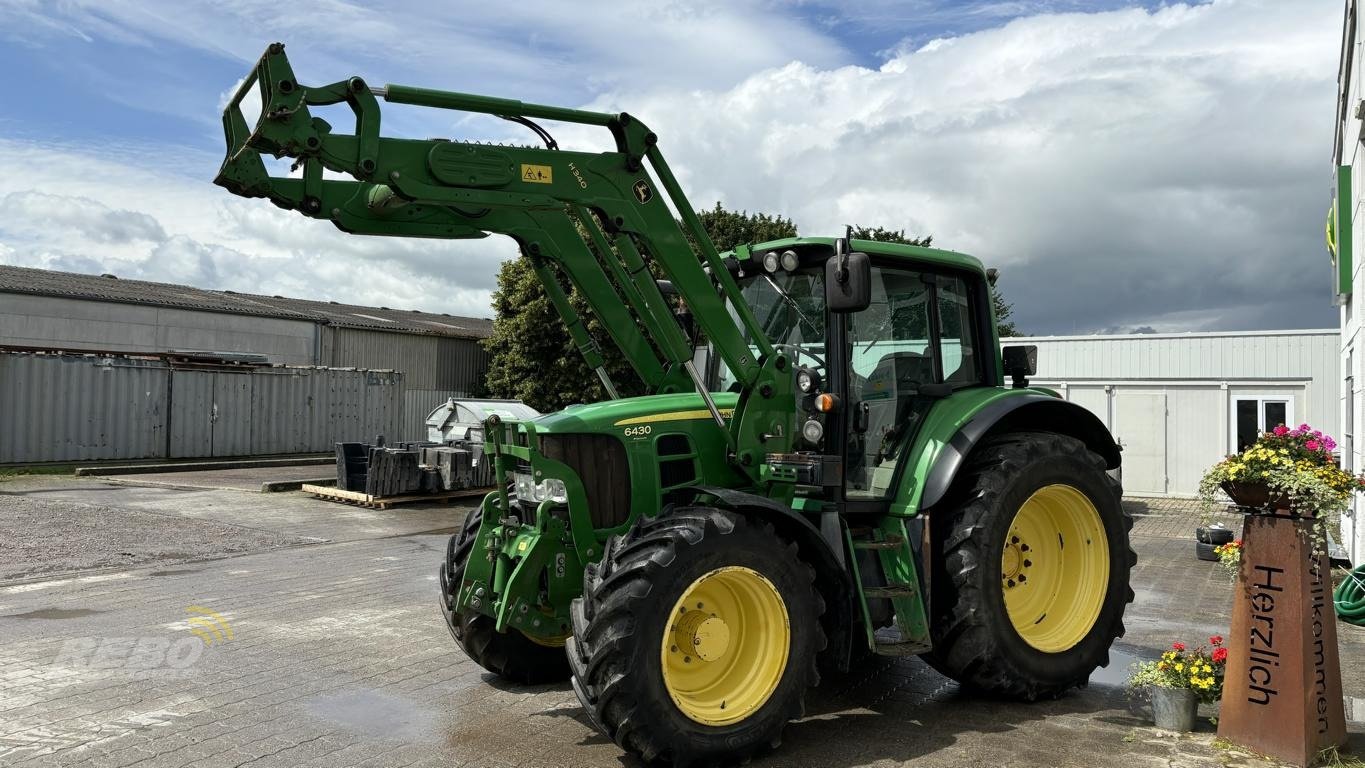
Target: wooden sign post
x=1282, y=687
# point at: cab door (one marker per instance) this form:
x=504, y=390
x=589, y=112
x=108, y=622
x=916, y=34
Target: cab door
x=915, y=343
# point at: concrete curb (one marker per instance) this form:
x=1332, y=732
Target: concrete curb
x=276, y=486
x=197, y=466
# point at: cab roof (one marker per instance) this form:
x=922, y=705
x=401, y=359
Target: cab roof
x=937, y=256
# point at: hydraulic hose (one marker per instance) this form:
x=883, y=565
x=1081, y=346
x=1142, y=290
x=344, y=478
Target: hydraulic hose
x=1349, y=597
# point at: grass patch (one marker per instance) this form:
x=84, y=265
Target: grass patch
x=1334, y=758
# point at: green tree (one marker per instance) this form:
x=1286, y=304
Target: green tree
x=531, y=356
x=1003, y=310
x=729, y=228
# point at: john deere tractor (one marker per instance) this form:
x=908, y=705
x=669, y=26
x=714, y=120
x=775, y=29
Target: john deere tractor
x=835, y=458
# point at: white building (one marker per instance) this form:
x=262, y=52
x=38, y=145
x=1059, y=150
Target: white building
x=1344, y=224
x=1179, y=403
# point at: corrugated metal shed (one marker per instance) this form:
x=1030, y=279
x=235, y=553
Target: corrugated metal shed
x=442, y=364
x=46, y=282
x=47, y=310
x=1179, y=402
x=90, y=407
x=59, y=408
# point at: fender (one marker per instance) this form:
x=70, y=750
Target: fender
x=1033, y=411
x=833, y=579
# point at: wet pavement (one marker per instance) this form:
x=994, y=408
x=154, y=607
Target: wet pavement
x=332, y=653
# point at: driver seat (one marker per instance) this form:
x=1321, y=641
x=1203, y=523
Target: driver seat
x=895, y=379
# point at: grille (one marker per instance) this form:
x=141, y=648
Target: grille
x=600, y=462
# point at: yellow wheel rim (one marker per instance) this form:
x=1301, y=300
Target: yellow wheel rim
x=1054, y=568
x=548, y=642
x=725, y=647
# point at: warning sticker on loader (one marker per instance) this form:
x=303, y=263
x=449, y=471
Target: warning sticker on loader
x=537, y=174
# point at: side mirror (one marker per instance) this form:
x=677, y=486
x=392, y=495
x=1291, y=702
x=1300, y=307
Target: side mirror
x=1021, y=362
x=848, y=285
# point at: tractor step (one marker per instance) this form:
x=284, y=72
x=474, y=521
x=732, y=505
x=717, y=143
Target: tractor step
x=891, y=642
x=890, y=542
x=890, y=591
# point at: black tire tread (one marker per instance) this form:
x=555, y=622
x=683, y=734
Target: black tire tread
x=604, y=625
x=965, y=645
x=509, y=655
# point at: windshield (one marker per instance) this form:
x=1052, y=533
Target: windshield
x=790, y=308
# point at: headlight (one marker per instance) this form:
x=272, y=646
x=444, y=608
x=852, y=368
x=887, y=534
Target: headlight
x=550, y=489
x=770, y=262
x=813, y=430
x=789, y=260
x=807, y=381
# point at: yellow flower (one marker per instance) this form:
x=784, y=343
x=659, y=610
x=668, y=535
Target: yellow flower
x=1179, y=667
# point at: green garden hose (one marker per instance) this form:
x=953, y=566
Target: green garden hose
x=1349, y=597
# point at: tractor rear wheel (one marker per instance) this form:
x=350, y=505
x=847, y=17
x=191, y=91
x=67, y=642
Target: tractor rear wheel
x=696, y=637
x=510, y=655
x=1031, y=562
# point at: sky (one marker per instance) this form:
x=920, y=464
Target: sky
x=1125, y=166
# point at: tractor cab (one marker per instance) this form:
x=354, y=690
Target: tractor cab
x=866, y=374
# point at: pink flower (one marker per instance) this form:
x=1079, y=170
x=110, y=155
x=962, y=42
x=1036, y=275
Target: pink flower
x=1296, y=433
x=1216, y=640
x=1311, y=445
x=1305, y=428
x=1329, y=444
x=1178, y=646
x=1220, y=655
x=1281, y=431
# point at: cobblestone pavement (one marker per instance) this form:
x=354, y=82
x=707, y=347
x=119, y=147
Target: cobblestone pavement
x=333, y=654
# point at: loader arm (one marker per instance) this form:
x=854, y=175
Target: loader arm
x=600, y=219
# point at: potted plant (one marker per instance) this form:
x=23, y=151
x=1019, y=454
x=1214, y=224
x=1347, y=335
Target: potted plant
x=1230, y=556
x=1286, y=471
x=1180, y=680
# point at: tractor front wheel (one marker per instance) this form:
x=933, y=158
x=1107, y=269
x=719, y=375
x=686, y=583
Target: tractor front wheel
x=509, y=655
x=696, y=637
x=1031, y=563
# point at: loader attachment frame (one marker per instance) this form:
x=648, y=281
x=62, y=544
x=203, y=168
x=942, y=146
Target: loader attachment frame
x=599, y=220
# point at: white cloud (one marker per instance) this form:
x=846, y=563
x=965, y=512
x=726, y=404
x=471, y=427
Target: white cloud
x=529, y=49
x=1132, y=168
x=1165, y=168
x=112, y=212
x=32, y=213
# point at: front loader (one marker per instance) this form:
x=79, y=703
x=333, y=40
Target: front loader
x=830, y=462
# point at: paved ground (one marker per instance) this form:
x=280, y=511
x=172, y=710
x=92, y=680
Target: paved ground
x=248, y=479
x=333, y=654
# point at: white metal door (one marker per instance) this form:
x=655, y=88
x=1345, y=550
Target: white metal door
x=1140, y=427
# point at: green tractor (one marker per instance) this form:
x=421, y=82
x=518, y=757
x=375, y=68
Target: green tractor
x=831, y=462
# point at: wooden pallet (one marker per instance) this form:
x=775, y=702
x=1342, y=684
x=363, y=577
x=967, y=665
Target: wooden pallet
x=384, y=502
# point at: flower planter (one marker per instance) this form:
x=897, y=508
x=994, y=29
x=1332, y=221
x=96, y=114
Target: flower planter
x=1256, y=495
x=1174, y=709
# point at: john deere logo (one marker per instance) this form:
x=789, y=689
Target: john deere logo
x=208, y=625
x=642, y=191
